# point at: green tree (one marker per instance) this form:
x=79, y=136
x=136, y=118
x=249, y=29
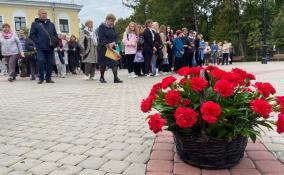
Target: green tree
x=277, y=34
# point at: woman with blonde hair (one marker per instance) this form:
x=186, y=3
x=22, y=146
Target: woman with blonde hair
x=165, y=61
x=158, y=56
x=130, y=40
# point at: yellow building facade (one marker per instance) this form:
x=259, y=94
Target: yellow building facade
x=21, y=13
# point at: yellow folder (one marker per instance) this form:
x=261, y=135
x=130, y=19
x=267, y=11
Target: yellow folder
x=112, y=54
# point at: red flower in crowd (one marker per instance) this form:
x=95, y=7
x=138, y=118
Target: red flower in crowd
x=173, y=98
x=265, y=89
x=217, y=73
x=185, y=117
x=210, y=68
x=155, y=89
x=280, y=123
x=186, y=102
x=210, y=112
x=242, y=73
x=198, y=84
x=234, y=78
x=261, y=107
x=183, y=81
x=195, y=71
x=280, y=101
x=146, y=104
x=166, y=82
x=184, y=71
x=224, y=88
x=156, y=123
x=250, y=76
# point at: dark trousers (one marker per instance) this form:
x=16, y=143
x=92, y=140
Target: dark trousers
x=178, y=63
x=138, y=67
x=11, y=62
x=45, y=58
x=130, y=62
x=225, y=58
x=90, y=69
x=71, y=64
x=170, y=56
x=147, y=61
x=188, y=58
x=32, y=64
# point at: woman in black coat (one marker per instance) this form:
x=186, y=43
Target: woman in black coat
x=72, y=54
x=107, y=39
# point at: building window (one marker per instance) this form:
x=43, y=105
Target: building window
x=64, y=26
x=20, y=23
x=1, y=23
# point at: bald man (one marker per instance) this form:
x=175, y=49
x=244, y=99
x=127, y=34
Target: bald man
x=44, y=35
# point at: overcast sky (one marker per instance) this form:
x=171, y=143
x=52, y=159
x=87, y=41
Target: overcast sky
x=97, y=10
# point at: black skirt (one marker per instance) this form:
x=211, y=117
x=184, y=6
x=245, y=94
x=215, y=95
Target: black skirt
x=104, y=61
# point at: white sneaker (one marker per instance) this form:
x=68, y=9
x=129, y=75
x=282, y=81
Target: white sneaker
x=134, y=76
x=86, y=77
x=93, y=78
x=148, y=75
x=130, y=75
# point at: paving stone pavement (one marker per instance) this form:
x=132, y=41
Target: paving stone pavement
x=87, y=128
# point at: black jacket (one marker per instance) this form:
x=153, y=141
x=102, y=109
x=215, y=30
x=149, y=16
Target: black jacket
x=39, y=36
x=148, y=41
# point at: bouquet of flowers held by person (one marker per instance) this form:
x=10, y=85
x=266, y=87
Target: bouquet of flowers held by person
x=213, y=102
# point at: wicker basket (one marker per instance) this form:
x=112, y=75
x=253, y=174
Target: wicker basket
x=209, y=152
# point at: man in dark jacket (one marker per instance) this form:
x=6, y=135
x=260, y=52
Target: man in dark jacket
x=149, y=45
x=44, y=34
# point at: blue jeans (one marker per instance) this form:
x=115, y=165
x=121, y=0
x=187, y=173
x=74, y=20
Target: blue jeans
x=154, y=64
x=44, y=59
x=200, y=57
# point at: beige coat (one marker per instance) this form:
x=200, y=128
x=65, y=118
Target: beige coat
x=88, y=45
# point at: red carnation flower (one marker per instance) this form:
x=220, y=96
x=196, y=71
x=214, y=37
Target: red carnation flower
x=280, y=123
x=166, y=82
x=146, y=104
x=210, y=112
x=242, y=73
x=155, y=89
x=195, y=71
x=224, y=88
x=173, y=98
x=234, y=78
x=250, y=76
x=184, y=71
x=186, y=102
x=261, y=107
x=217, y=73
x=185, y=117
x=198, y=84
x=183, y=81
x=265, y=89
x=156, y=123
x=280, y=101
x=210, y=68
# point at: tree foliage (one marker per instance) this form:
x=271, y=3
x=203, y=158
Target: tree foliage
x=237, y=20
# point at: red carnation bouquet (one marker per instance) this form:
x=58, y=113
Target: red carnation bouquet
x=213, y=102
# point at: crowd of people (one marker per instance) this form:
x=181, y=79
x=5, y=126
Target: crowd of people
x=153, y=49
x=146, y=50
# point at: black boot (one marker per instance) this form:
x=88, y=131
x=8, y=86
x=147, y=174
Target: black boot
x=102, y=80
x=116, y=79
